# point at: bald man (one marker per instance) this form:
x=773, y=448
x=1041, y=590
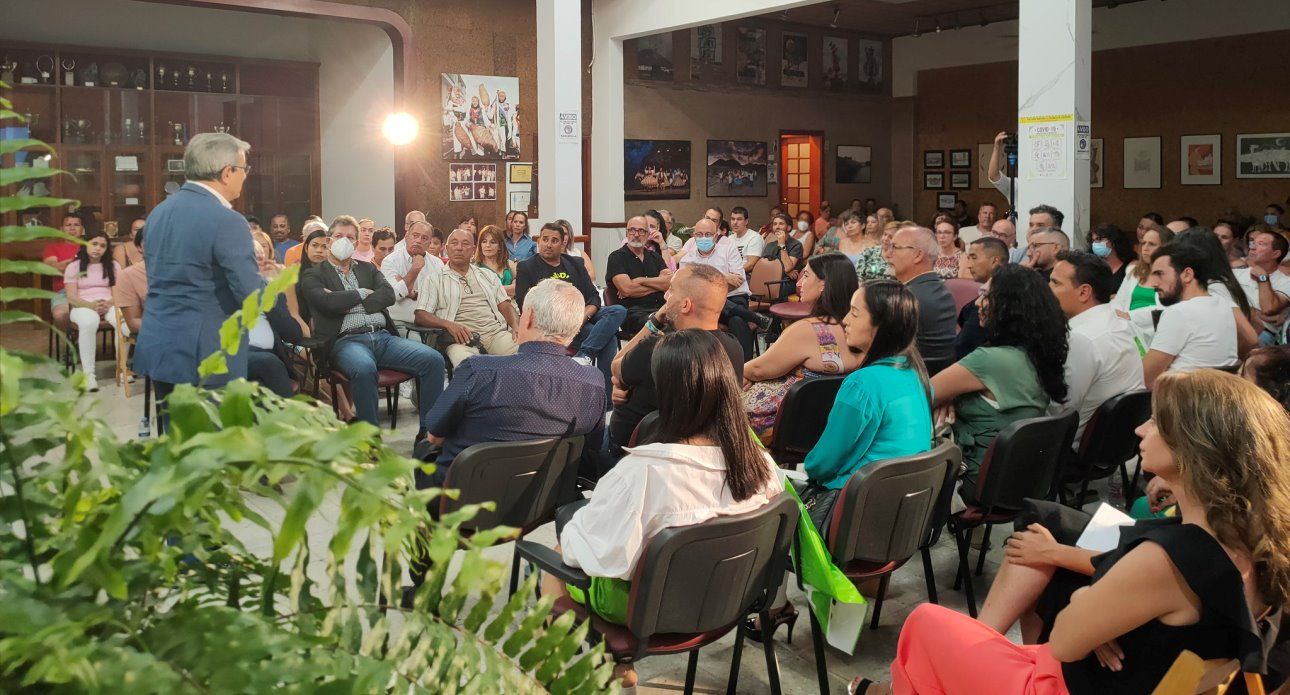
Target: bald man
x=468, y=303
x=639, y=274
x=693, y=301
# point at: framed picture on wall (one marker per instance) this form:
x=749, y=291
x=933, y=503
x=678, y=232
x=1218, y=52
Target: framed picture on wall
x=983, y=151
x=1096, y=168
x=933, y=180
x=1263, y=156
x=793, y=71
x=946, y=201
x=656, y=169
x=835, y=62
x=869, y=58
x=960, y=180
x=654, y=57
x=750, y=56
x=736, y=168
x=933, y=159
x=1200, y=159
x=960, y=159
x=853, y=164
x=1142, y=162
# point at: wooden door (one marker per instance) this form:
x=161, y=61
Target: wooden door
x=800, y=172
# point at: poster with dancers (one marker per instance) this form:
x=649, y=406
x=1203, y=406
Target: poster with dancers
x=480, y=117
x=468, y=182
x=736, y=168
x=656, y=169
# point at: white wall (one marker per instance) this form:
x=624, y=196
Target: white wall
x=356, y=74
x=1135, y=24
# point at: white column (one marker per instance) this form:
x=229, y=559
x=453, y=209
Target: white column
x=559, y=103
x=607, y=190
x=1054, y=57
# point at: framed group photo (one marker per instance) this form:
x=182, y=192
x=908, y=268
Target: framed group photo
x=656, y=169
x=1263, y=156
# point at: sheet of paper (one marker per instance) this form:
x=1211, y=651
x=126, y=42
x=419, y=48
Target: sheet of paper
x=786, y=474
x=1103, y=531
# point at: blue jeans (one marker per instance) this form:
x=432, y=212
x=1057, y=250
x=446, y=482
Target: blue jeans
x=359, y=356
x=599, y=339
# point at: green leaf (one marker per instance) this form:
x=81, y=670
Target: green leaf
x=11, y=371
x=8, y=265
x=230, y=334
x=11, y=146
x=24, y=202
x=14, y=233
x=250, y=312
x=236, y=407
x=9, y=177
x=216, y=363
x=11, y=294
x=14, y=316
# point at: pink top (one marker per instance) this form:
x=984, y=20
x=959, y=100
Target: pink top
x=92, y=286
x=367, y=255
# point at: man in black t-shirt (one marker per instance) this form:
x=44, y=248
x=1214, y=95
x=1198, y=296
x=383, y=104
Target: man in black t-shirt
x=782, y=247
x=638, y=275
x=598, y=342
x=694, y=301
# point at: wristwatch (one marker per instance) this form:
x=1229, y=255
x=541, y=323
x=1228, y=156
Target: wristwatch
x=1260, y=278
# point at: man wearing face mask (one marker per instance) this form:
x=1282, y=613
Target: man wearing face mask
x=349, y=300
x=705, y=248
x=1272, y=216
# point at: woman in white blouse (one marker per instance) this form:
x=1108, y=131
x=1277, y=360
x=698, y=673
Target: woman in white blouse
x=706, y=464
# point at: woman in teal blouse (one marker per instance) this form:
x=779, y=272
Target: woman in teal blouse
x=883, y=409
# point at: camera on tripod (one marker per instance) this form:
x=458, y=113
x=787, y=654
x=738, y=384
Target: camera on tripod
x=1010, y=144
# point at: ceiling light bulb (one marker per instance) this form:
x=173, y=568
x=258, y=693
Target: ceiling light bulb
x=399, y=128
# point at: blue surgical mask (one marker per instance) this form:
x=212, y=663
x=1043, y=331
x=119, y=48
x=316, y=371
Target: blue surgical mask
x=1270, y=219
x=705, y=243
x=1101, y=249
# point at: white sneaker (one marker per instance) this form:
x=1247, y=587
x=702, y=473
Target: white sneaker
x=91, y=383
x=405, y=389
x=584, y=360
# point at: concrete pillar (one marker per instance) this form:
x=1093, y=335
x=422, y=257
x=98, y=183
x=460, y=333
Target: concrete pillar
x=559, y=104
x=1054, y=58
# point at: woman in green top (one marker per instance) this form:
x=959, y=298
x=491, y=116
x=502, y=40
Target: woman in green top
x=872, y=264
x=490, y=253
x=1134, y=297
x=1014, y=375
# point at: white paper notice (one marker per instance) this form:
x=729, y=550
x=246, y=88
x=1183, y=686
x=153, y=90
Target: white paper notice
x=1047, y=151
x=1103, y=532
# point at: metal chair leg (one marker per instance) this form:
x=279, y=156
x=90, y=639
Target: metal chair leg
x=735, y=657
x=515, y=570
x=690, y=670
x=877, y=605
x=817, y=639
x=985, y=546
x=929, y=575
x=965, y=572
x=772, y=664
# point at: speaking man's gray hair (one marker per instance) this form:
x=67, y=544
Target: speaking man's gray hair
x=558, y=310
x=209, y=153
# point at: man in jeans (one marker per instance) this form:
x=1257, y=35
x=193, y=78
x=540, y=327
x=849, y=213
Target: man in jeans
x=598, y=340
x=349, y=300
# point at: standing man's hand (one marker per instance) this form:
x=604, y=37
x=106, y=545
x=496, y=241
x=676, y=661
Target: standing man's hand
x=998, y=140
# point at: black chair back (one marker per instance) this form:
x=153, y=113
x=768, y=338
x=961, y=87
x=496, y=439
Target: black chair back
x=802, y=417
x=708, y=576
x=1108, y=441
x=646, y=431
x=1024, y=460
x=526, y=480
x=887, y=508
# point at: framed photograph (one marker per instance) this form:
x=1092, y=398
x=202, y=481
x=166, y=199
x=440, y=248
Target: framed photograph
x=853, y=164
x=961, y=180
x=656, y=169
x=705, y=51
x=127, y=162
x=750, y=56
x=960, y=159
x=933, y=159
x=946, y=201
x=835, y=62
x=1142, y=162
x=736, y=168
x=1263, y=156
x=933, y=180
x=520, y=173
x=174, y=166
x=870, y=60
x=519, y=200
x=654, y=57
x=983, y=152
x=461, y=192
x=793, y=71
x=1096, y=168
x=479, y=113
x=486, y=191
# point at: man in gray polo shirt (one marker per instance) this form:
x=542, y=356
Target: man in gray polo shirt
x=911, y=254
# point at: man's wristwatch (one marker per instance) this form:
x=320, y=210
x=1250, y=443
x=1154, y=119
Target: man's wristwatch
x=1260, y=278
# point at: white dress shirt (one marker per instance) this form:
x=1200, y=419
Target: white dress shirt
x=656, y=486
x=394, y=267
x=220, y=198
x=1103, y=360
x=725, y=257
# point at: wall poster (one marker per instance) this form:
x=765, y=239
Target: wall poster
x=480, y=117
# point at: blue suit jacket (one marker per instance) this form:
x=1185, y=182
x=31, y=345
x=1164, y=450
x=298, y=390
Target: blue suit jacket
x=201, y=266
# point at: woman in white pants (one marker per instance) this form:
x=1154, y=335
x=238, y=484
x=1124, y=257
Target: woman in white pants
x=89, y=281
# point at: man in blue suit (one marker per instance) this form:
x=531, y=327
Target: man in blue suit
x=201, y=266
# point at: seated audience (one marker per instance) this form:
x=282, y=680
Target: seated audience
x=855, y=238
x=1043, y=245
x=1014, y=375
x=983, y=256
x=660, y=239
x=824, y=223
x=598, y=341
x=467, y=302
x=295, y=252
x=60, y=254
x=749, y=242
x=467, y=223
x=883, y=409
x=266, y=262
x=1149, y=220
x=280, y=231
x=382, y=245
x=912, y=253
x=364, y=250
x=766, y=231
x=1103, y=359
x=1006, y=231
x=985, y=218
x=88, y=280
x=1269, y=369
x=803, y=232
x=960, y=214
x=131, y=290
x=434, y=246
x=1225, y=230
x=536, y=392
x=1208, y=582
x=519, y=243
x=349, y=302
x=1223, y=283
x=811, y=347
x=124, y=251
x=949, y=256
x=1135, y=297
x=491, y=254
x=694, y=300
x=408, y=219
x=885, y=216
x=782, y=246
x=1181, y=224
x=705, y=464
x=674, y=235
x=1266, y=287
x=1114, y=246
x=404, y=266
x=706, y=247
x=572, y=249
x=1045, y=216
x=872, y=263
x=638, y=274
x=268, y=360
x=1197, y=328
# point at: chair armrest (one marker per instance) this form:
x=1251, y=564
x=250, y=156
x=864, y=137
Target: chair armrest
x=547, y=560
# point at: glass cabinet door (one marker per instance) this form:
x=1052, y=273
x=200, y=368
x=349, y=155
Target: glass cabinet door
x=127, y=185
x=129, y=117
x=84, y=181
x=83, y=115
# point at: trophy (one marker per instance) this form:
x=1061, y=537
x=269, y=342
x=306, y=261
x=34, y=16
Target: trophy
x=209, y=86
x=6, y=70
x=178, y=129
x=139, y=79
x=192, y=75
x=223, y=78
x=90, y=75
x=221, y=128
x=45, y=65
x=69, y=77
x=143, y=140
x=161, y=76
x=174, y=78
x=127, y=130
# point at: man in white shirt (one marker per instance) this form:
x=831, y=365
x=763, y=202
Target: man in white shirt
x=985, y=217
x=403, y=268
x=467, y=302
x=1103, y=359
x=995, y=173
x=1265, y=285
x=1197, y=329
x=749, y=242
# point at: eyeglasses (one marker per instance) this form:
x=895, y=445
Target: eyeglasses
x=637, y=230
x=245, y=169
x=1044, y=243
x=895, y=247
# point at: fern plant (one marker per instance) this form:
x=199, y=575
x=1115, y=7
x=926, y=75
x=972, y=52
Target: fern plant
x=120, y=570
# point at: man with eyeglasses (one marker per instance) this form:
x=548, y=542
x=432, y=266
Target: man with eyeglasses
x=638, y=274
x=468, y=302
x=911, y=254
x=1045, y=244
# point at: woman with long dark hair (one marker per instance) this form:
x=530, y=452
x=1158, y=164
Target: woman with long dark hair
x=705, y=463
x=810, y=347
x=1134, y=297
x=1113, y=245
x=89, y=280
x=1017, y=372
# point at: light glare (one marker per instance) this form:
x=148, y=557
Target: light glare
x=399, y=128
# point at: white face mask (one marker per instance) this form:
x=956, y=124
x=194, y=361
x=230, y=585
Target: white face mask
x=342, y=248
x=802, y=225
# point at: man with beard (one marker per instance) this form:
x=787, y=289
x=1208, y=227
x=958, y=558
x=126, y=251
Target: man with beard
x=1197, y=329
